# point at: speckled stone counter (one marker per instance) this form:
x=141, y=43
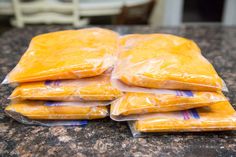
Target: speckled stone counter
x=106, y=137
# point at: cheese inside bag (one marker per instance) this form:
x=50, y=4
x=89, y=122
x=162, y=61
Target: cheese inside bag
x=141, y=103
x=217, y=117
x=164, y=61
x=68, y=54
x=57, y=110
x=96, y=88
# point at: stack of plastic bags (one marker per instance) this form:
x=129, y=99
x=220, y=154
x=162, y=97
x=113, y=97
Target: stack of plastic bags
x=63, y=78
x=169, y=87
x=160, y=82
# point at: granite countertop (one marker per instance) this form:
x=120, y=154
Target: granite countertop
x=106, y=137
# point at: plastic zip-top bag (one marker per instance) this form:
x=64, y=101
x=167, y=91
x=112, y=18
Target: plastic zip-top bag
x=68, y=54
x=96, y=88
x=135, y=89
x=164, y=61
x=217, y=117
x=48, y=110
x=131, y=105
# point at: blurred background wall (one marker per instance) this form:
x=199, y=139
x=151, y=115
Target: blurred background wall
x=19, y=13
x=177, y=12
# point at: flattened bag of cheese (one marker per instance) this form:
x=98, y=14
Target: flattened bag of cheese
x=41, y=110
x=87, y=89
x=132, y=105
x=69, y=54
x=217, y=117
x=165, y=62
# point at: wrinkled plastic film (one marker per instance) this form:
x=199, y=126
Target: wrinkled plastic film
x=209, y=118
x=88, y=89
x=224, y=88
x=133, y=105
x=135, y=133
x=69, y=54
x=165, y=62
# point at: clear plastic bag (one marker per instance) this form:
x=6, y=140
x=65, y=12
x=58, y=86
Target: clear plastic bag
x=165, y=62
x=217, y=117
x=132, y=105
x=24, y=120
x=40, y=110
x=88, y=89
x=135, y=89
x=69, y=54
